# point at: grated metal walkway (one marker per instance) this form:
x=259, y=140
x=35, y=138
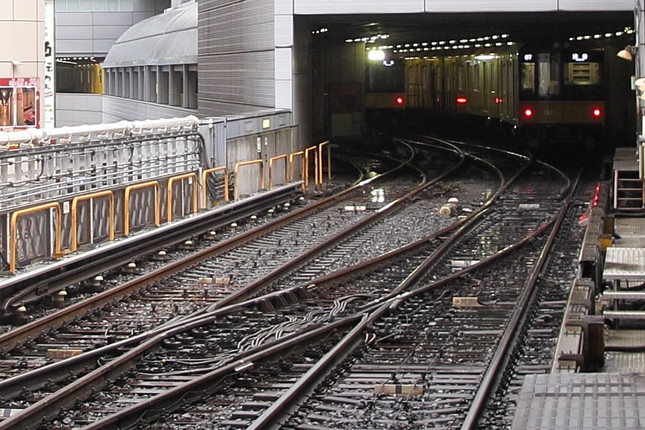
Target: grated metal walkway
x=581, y=401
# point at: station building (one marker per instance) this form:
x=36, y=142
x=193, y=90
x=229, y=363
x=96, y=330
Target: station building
x=262, y=79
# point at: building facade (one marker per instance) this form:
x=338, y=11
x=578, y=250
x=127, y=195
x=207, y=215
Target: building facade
x=22, y=64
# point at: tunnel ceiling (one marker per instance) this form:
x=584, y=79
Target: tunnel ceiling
x=418, y=27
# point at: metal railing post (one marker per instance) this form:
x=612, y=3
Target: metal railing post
x=74, y=215
x=248, y=163
x=126, y=203
x=13, y=227
x=205, y=174
x=171, y=182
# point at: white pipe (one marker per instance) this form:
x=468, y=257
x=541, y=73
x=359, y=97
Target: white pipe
x=28, y=135
x=84, y=133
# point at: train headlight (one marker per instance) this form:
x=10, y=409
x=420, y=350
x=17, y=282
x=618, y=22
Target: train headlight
x=376, y=55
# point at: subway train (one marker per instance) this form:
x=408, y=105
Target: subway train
x=532, y=92
x=79, y=76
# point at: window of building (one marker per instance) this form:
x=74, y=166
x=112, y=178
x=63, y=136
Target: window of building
x=18, y=103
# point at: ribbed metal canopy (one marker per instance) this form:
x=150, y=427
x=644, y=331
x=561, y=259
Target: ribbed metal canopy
x=168, y=38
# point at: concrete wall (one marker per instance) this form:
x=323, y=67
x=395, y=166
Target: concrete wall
x=90, y=27
x=78, y=109
x=21, y=33
x=22, y=45
x=262, y=146
x=317, y=7
x=237, y=56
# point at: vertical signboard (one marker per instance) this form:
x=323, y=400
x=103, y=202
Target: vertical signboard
x=48, y=96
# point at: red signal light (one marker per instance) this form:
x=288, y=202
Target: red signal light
x=399, y=101
x=596, y=196
x=596, y=112
x=461, y=100
x=499, y=100
x=528, y=113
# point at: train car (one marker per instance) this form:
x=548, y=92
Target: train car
x=535, y=92
x=79, y=77
x=385, y=93
x=562, y=92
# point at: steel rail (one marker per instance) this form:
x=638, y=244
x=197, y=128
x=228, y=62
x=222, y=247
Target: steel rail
x=274, y=275
x=9, y=340
x=307, y=382
x=118, y=253
x=82, y=308
x=373, y=312
x=512, y=331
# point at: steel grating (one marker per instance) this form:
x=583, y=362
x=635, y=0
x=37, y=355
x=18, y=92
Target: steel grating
x=624, y=264
x=581, y=401
x=631, y=232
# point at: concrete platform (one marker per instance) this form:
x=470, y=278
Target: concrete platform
x=614, y=399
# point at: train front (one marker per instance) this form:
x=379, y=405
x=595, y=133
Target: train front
x=562, y=94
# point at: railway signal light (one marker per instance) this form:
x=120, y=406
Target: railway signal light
x=528, y=112
x=399, y=101
x=596, y=112
x=461, y=100
x=596, y=196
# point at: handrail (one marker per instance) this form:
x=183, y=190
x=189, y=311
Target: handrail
x=320, y=158
x=307, y=151
x=205, y=174
x=302, y=164
x=286, y=166
x=171, y=181
x=74, y=221
x=126, y=204
x=247, y=163
x=12, y=230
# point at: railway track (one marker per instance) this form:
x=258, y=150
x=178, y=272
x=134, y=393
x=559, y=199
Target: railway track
x=152, y=299
x=535, y=349
x=227, y=343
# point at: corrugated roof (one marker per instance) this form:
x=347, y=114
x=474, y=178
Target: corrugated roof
x=168, y=38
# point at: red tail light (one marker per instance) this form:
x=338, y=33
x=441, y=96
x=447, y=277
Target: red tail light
x=596, y=112
x=461, y=100
x=528, y=113
x=399, y=101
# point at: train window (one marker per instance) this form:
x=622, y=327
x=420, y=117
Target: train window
x=528, y=78
x=583, y=80
x=548, y=75
x=386, y=79
x=475, y=78
x=582, y=74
